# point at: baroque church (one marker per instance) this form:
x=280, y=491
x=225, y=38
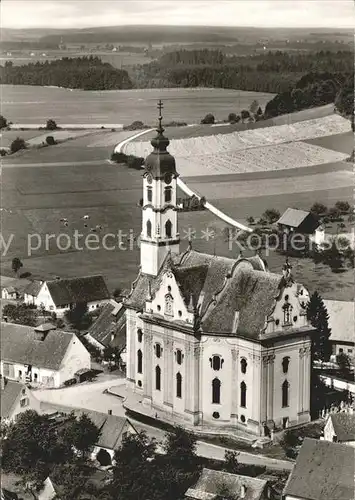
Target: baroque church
x=212, y=342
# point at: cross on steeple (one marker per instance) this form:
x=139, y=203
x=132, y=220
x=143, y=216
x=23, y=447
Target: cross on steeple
x=160, y=107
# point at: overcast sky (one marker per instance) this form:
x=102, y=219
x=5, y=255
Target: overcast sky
x=85, y=13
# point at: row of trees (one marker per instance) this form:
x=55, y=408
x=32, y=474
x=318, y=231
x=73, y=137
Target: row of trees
x=272, y=72
x=88, y=73
x=35, y=447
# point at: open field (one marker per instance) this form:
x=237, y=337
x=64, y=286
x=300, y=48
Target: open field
x=339, y=142
x=35, y=138
x=31, y=104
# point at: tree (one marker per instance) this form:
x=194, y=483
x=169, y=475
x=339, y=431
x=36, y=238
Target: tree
x=50, y=140
x=31, y=445
x=133, y=473
x=318, y=316
x=78, y=317
x=244, y=114
x=208, y=119
x=51, y=125
x=334, y=258
x=343, y=207
x=344, y=363
x=3, y=122
x=17, y=144
x=231, y=463
x=318, y=208
x=254, y=107
x=271, y=215
x=232, y=118
x=250, y=220
x=21, y=314
x=180, y=446
x=16, y=264
x=224, y=492
x=72, y=479
x=82, y=433
x=117, y=293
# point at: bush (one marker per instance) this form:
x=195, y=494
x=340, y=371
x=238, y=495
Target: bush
x=318, y=208
x=271, y=215
x=135, y=162
x=136, y=125
x=51, y=125
x=3, y=152
x=175, y=124
x=17, y=144
x=343, y=207
x=208, y=119
x=50, y=140
x=232, y=118
x=119, y=157
x=3, y=122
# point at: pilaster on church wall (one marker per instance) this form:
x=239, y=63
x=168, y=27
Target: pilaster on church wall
x=130, y=342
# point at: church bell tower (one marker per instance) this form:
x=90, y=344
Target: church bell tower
x=159, y=211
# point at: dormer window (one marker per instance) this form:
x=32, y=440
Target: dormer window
x=169, y=305
x=287, y=309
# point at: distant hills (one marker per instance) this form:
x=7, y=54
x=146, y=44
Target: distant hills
x=169, y=34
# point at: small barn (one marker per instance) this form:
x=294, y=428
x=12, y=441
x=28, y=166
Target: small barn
x=302, y=222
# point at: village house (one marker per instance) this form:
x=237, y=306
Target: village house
x=15, y=399
x=211, y=481
x=31, y=292
x=61, y=295
x=109, y=329
x=323, y=471
x=112, y=428
x=40, y=358
x=302, y=222
x=340, y=428
x=212, y=342
x=341, y=321
x=13, y=288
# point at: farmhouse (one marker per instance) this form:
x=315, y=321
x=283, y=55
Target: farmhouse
x=31, y=292
x=323, y=471
x=42, y=358
x=302, y=222
x=15, y=399
x=212, y=342
x=62, y=295
x=109, y=330
x=13, y=288
x=210, y=481
x=340, y=428
x=341, y=321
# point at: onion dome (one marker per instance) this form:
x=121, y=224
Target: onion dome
x=160, y=162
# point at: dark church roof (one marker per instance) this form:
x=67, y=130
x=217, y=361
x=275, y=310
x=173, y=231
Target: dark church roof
x=219, y=286
x=160, y=162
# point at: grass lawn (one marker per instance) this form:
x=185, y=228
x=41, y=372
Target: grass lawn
x=338, y=142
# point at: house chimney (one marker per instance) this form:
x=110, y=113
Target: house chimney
x=109, y=412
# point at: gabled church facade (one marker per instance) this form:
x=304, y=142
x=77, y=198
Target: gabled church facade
x=212, y=342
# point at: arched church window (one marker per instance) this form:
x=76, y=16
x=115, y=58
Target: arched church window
x=139, y=335
x=168, y=194
x=216, y=391
x=158, y=350
x=149, y=229
x=150, y=193
x=285, y=388
x=285, y=364
x=139, y=361
x=157, y=378
x=216, y=362
x=243, y=395
x=243, y=365
x=169, y=305
x=168, y=229
x=179, y=356
x=178, y=385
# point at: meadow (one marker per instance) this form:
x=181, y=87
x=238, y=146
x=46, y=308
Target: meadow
x=30, y=104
